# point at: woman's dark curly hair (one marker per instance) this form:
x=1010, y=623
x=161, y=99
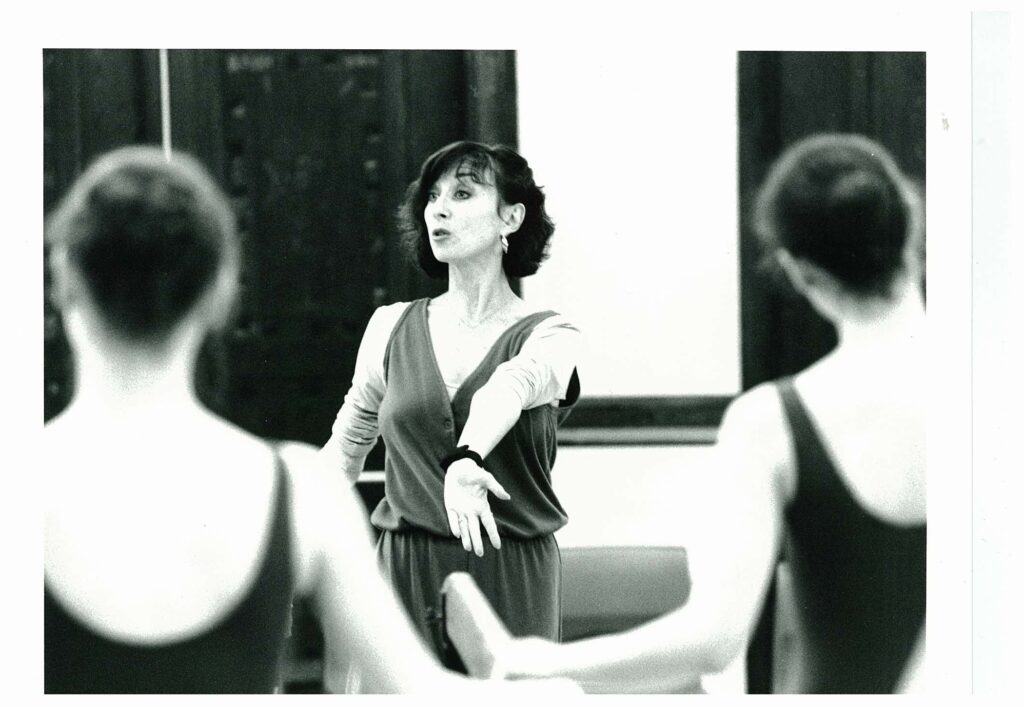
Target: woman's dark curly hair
x=513, y=179
x=841, y=202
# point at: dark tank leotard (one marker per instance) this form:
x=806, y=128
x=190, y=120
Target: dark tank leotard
x=858, y=581
x=240, y=653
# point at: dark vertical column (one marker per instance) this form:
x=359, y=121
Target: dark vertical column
x=491, y=97
x=429, y=87
x=899, y=114
x=759, y=88
x=62, y=160
x=399, y=273
x=898, y=107
x=197, y=111
x=94, y=100
x=758, y=83
x=491, y=101
x=197, y=128
x=62, y=147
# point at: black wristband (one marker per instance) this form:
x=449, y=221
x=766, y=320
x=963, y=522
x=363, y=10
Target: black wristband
x=462, y=452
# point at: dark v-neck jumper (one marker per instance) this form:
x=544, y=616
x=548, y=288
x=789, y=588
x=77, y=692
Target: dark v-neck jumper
x=420, y=425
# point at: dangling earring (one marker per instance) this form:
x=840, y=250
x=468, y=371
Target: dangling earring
x=504, y=243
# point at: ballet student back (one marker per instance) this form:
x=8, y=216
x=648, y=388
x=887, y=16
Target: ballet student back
x=827, y=465
x=175, y=541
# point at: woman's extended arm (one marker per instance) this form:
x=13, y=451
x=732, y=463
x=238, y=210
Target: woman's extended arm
x=731, y=563
x=538, y=375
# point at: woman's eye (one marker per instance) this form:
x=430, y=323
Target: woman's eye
x=432, y=196
x=462, y=194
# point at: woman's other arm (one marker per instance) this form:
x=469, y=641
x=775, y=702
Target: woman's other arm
x=355, y=432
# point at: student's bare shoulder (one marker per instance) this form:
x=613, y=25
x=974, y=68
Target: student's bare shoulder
x=756, y=431
x=754, y=407
x=311, y=479
x=226, y=439
x=300, y=456
x=68, y=435
x=61, y=425
x=54, y=453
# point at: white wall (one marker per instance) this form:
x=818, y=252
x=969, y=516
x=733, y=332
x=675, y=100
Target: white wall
x=629, y=495
x=637, y=153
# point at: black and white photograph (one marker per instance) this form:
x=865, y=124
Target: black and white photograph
x=517, y=353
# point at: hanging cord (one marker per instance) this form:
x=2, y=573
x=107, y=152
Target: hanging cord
x=165, y=104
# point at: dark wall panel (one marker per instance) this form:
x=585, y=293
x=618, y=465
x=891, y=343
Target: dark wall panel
x=304, y=151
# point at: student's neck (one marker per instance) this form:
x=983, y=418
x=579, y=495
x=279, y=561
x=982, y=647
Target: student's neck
x=901, y=319
x=128, y=383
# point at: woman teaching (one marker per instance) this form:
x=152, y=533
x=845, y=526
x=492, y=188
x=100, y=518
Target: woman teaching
x=175, y=541
x=467, y=390
x=828, y=464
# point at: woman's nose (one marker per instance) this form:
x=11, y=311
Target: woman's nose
x=440, y=207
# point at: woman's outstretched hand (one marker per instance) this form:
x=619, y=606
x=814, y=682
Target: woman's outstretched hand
x=465, y=499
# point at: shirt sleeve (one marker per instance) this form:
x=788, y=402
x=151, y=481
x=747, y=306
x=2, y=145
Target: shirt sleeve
x=355, y=426
x=542, y=372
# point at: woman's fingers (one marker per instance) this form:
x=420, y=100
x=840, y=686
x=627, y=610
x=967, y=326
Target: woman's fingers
x=479, y=481
x=474, y=534
x=492, y=485
x=487, y=519
x=468, y=509
x=467, y=541
x=453, y=522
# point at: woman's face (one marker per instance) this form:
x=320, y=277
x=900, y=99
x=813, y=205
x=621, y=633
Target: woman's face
x=462, y=218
